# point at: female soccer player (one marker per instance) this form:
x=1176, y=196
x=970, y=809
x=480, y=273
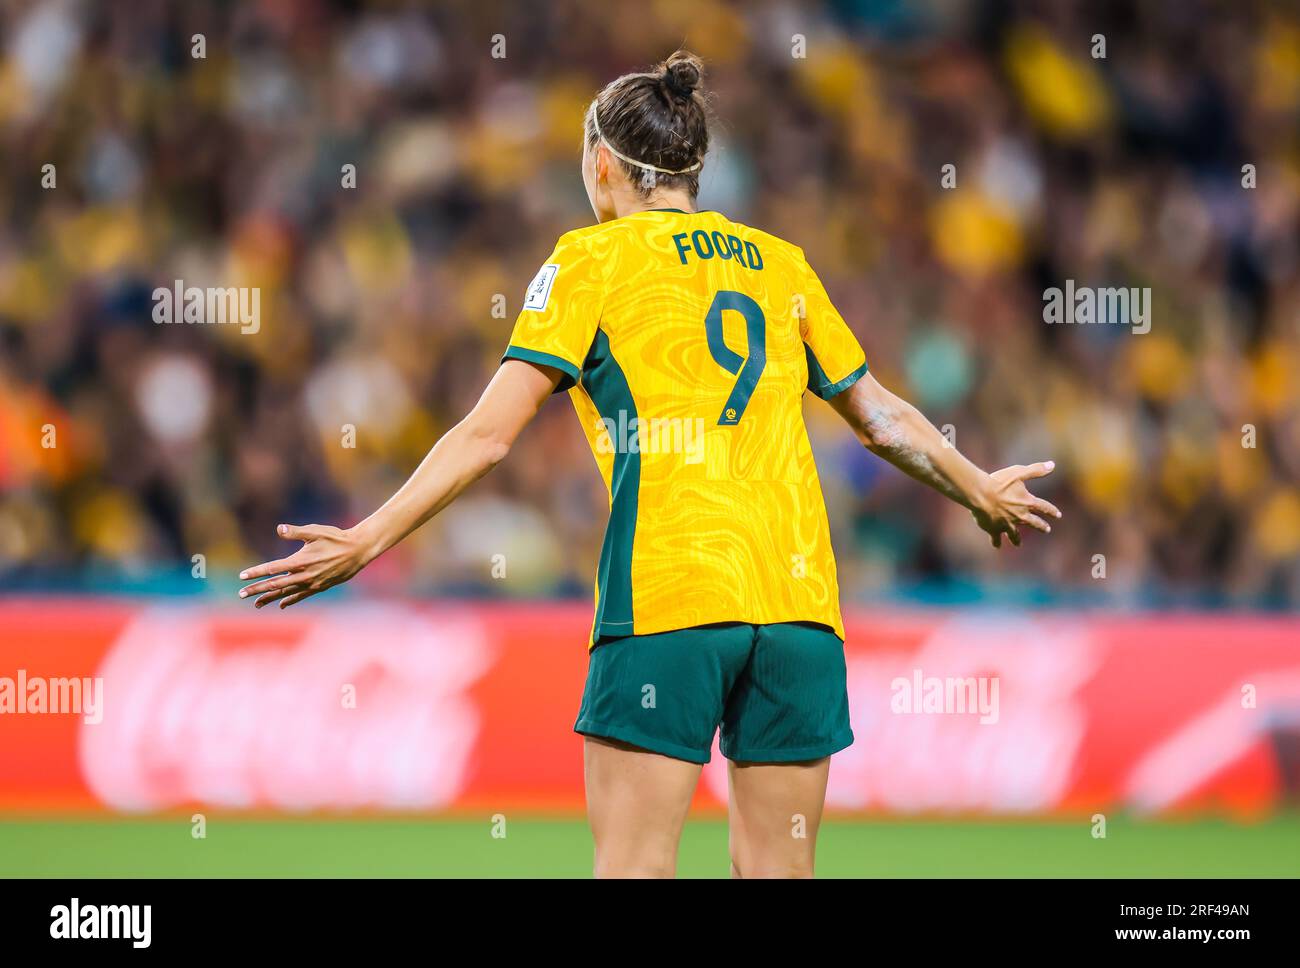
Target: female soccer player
x=686, y=342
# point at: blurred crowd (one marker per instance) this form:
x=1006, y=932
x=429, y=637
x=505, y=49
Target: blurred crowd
x=389, y=175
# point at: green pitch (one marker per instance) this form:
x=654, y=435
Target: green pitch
x=533, y=847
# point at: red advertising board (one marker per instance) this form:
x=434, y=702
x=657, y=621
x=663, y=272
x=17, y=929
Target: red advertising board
x=140, y=707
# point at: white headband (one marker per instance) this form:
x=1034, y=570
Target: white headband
x=632, y=161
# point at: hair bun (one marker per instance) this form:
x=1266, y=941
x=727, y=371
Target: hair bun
x=682, y=72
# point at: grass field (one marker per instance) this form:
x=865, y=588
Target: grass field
x=537, y=847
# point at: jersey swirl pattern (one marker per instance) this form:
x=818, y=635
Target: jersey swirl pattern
x=687, y=342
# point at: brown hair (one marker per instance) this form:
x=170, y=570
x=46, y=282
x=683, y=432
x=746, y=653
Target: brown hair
x=656, y=118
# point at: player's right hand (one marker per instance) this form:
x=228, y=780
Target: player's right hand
x=329, y=556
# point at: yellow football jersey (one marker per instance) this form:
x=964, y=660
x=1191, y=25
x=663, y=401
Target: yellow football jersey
x=687, y=341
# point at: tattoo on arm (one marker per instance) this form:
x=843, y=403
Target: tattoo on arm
x=898, y=434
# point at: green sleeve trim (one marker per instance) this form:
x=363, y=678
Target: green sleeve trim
x=819, y=383
x=827, y=392
x=571, y=372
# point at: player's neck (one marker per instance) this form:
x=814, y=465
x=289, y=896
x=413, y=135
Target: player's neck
x=633, y=203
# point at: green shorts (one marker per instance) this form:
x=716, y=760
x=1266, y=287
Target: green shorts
x=778, y=692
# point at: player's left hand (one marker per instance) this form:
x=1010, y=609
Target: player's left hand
x=329, y=556
x=1007, y=503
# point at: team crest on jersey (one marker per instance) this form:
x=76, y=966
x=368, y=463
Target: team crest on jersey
x=539, y=290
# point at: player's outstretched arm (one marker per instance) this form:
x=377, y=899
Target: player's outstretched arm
x=895, y=430
x=330, y=556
